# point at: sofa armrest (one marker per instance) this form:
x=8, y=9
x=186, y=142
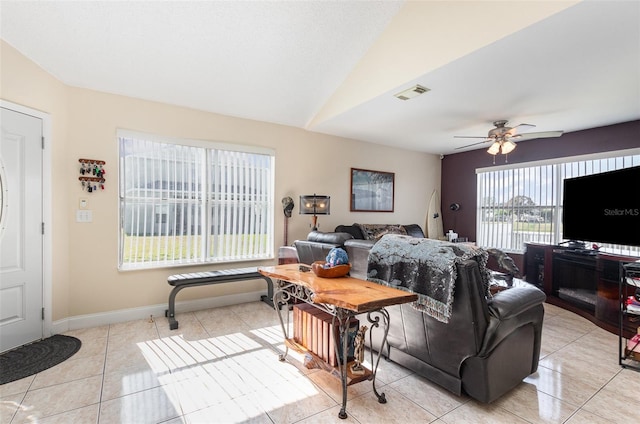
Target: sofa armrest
x=509, y=303
x=358, y=252
x=512, y=311
x=312, y=251
x=360, y=244
x=337, y=238
x=414, y=230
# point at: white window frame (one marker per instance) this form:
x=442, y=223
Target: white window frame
x=489, y=235
x=192, y=202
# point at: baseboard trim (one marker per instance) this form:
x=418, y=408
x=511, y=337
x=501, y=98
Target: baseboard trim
x=157, y=311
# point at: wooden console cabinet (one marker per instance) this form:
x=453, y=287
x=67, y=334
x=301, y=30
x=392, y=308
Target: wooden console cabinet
x=538, y=266
x=581, y=281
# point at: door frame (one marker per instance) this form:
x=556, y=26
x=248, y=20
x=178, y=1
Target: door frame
x=47, y=242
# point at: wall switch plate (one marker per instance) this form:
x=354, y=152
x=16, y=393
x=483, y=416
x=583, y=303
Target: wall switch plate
x=84, y=216
x=84, y=203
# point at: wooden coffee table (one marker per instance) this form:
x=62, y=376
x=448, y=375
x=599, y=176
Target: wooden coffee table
x=343, y=298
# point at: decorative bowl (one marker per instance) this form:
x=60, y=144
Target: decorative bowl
x=333, y=272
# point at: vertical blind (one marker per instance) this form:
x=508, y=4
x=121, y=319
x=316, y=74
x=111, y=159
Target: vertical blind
x=188, y=204
x=518, y=205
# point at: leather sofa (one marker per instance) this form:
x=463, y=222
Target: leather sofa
x=489, y=345
x=349, y=237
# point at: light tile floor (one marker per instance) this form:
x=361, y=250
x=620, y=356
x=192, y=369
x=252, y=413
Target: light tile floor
x=221, y=366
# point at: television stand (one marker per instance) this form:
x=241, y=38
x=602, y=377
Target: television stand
x=584, y=281
x=575, y=278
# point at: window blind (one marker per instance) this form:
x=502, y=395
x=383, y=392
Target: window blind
x=518, y=205
x=183, y=204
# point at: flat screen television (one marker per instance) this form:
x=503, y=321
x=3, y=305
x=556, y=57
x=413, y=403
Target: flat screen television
x=603, y=208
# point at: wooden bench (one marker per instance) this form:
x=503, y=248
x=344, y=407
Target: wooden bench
x=194, y=279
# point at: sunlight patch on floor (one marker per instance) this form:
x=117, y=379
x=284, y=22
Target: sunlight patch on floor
x=219, y=372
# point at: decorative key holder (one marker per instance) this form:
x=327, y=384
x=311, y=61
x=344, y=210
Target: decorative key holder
x=92, y=174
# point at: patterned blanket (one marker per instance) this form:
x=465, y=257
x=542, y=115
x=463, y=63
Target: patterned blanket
x=424, y=266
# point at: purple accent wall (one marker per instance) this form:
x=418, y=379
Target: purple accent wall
x=459, y=170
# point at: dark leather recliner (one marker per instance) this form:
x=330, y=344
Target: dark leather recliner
x=488, y=346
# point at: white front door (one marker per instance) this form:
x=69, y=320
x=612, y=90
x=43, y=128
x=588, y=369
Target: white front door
x=21, y=239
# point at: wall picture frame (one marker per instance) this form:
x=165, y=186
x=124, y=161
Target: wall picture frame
x=372, y=191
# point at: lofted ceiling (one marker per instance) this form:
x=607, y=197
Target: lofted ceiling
x=334, y=66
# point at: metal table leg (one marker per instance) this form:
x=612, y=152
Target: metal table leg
x=375, y=323
x=343, y=319
x=287, y=291
x=281, y=297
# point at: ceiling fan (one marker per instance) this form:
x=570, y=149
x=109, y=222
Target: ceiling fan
x=502, y=137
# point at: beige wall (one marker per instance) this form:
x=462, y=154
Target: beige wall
x=85, y=275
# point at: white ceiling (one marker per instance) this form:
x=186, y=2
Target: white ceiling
x=333, y=66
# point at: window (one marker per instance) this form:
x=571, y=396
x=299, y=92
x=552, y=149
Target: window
x=188, y=202
x=519, y=204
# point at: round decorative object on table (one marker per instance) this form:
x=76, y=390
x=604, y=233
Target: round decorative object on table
x=331, y=272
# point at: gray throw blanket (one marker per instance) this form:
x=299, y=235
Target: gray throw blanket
x=424, y=266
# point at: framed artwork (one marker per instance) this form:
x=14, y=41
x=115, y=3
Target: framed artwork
x=371, y=191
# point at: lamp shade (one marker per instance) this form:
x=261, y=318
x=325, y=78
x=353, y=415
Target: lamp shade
x=494, y=149
x=313, y=204
x=508, y=146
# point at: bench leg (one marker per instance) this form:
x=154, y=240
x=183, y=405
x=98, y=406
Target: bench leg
x=171, y=312
x=268, y=299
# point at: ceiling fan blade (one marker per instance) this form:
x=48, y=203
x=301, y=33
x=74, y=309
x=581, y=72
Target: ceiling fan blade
x=524, y=126
x=514, y=131
x=473, y=144
x=543, y=134
x=468, y=136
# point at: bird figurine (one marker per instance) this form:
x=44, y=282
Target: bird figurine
x=504, y=261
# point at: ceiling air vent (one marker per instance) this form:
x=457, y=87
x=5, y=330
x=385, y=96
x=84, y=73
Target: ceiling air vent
x=412, y=92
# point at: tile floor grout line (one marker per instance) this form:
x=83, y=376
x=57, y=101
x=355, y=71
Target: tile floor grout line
x=104, y=373
x=591, y=338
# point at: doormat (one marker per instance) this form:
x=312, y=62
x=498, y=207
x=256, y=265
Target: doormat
x=35, y=357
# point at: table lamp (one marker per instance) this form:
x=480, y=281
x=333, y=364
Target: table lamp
x=313, y=204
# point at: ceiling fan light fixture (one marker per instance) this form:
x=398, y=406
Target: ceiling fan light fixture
x=502, y=138
x=508, y=146
x=494, y=149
